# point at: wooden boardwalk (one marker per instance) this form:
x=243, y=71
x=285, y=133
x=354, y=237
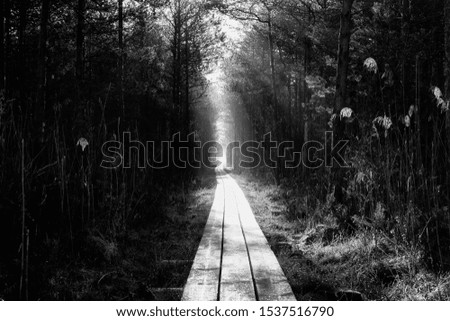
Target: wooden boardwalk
x=234, y=261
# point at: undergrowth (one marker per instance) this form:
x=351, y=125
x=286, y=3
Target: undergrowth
x=150, y=261
x=324, y=262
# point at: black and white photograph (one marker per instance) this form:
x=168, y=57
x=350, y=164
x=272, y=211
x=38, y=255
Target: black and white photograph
x=224, y=150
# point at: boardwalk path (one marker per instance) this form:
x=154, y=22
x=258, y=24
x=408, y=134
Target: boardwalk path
x=234, y=262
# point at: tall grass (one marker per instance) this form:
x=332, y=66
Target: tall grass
x=398, y=182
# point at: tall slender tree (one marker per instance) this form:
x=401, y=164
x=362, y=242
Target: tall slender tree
x=187, y=81
x=80, y=41
x=2, y=44
x=343, y=54
x=6, y=42
x=447, y=73
x=176, y=55
x=404, y=29
x=23, y=8
x=42, y=66
x=121, y=58
x=447, y=48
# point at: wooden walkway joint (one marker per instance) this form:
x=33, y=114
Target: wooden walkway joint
x=234, y=261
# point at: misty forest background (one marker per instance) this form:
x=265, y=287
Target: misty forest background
x=76, y=73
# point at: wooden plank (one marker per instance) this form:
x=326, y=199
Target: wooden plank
x=204, y=277
x=236, y=280
x=270, y=281
x=234, y=261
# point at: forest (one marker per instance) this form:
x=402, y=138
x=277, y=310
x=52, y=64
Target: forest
x=75, y=74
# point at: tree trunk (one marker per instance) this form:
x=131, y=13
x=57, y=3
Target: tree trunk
x=341, y=88
x=6, y=45
x=121, y=49
x=187, y=118
x=274, y=93
x=2, y=45
x=179, y=62
x=343, y=55
x=177, y=68
x=298, y=104
x=405, y=24
x=447, y=83
x=42, y=70
x=289, y=106
x=174, y=67
x=21, y=58
x=447, y=48
x=307, y=45
x=80, y=41
x=273, y=75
